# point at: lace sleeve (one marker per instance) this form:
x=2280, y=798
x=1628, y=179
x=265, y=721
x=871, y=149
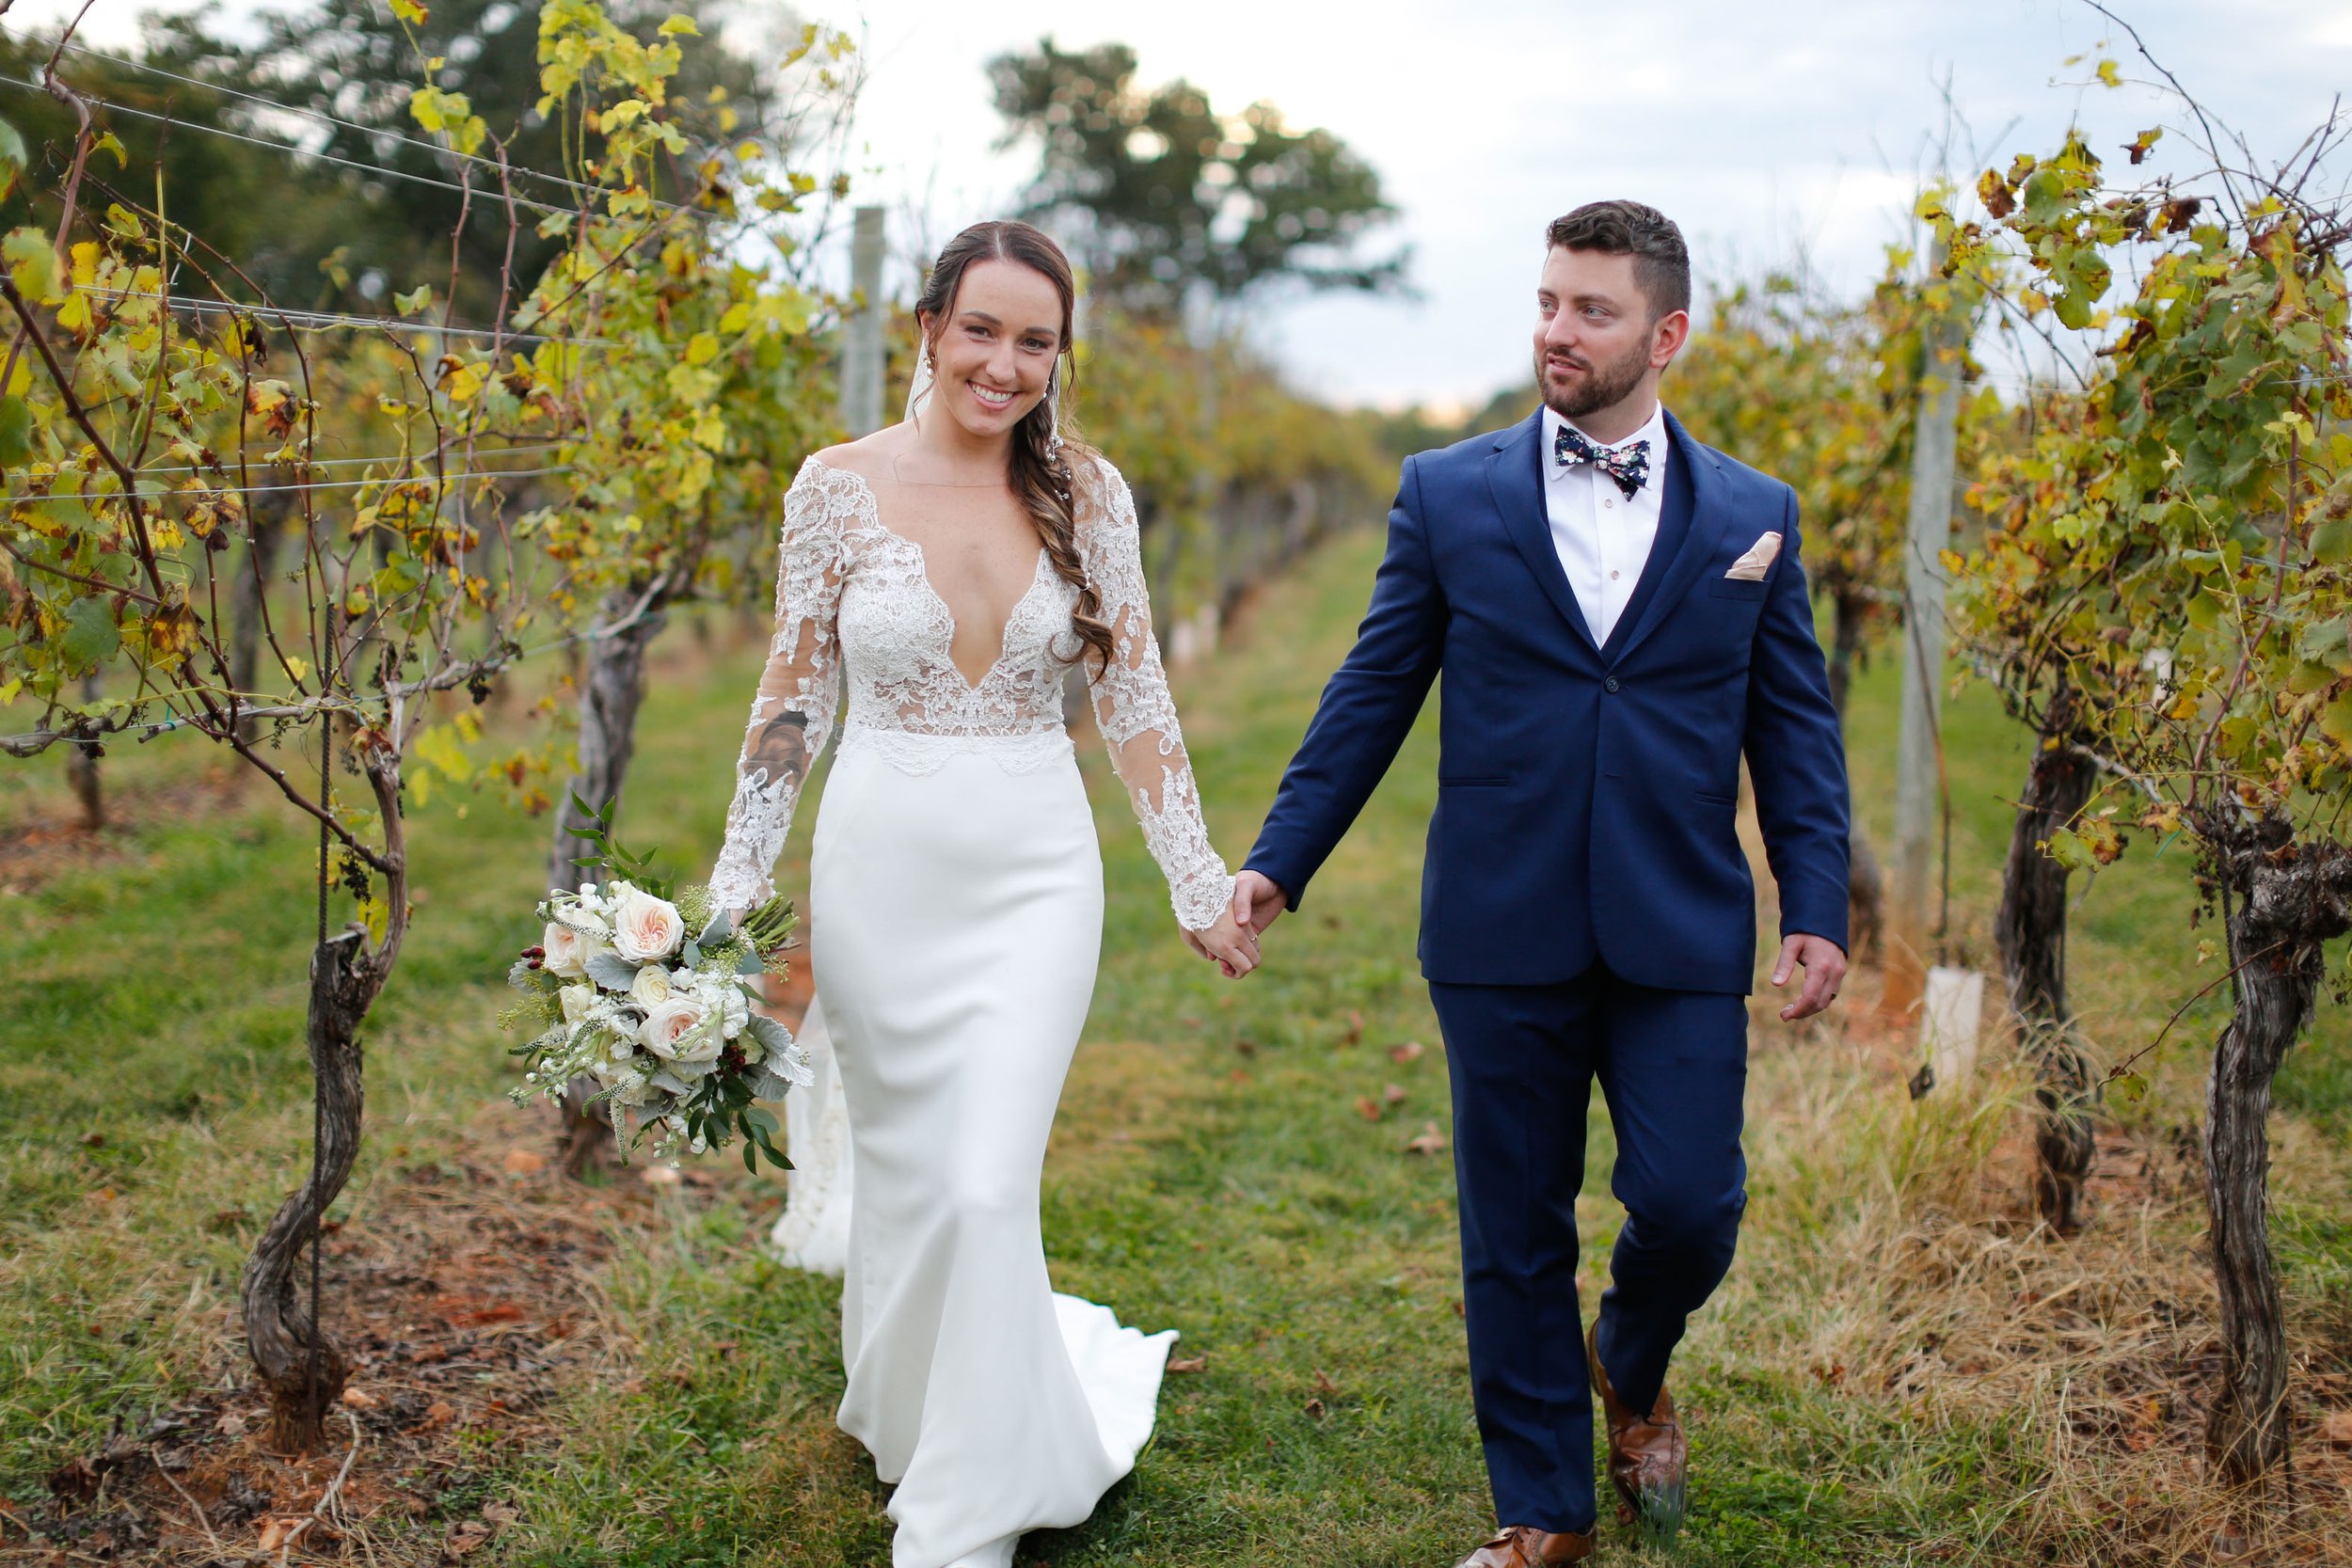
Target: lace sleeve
x=793, y=712
x=1137, y=715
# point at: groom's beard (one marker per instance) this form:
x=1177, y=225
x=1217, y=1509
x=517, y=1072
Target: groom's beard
x=1600, y=387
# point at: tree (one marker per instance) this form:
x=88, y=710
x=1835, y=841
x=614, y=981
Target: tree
x=1163, y=199
x=351, y=67
x=685, y=381
x=2164, y=588
x=138, y=447
x=1824, y=396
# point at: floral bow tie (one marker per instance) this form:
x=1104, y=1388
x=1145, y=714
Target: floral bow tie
x=1628, y=466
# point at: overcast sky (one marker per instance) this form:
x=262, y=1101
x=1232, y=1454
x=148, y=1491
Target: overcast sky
x=1760, y=128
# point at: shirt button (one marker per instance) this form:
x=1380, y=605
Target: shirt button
x=1610, y=684
x=1612, y=576
x=1606, y=501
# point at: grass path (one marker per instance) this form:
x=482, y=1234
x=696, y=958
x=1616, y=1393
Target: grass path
x=1898, y=1372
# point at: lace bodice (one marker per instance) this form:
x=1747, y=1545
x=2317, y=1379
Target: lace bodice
x=855, y=609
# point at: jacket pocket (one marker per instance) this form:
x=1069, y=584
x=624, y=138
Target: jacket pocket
x=1479, y=780
x=1738, y=588
x=1710, y=797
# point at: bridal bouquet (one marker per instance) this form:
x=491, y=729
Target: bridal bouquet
x=648, y=990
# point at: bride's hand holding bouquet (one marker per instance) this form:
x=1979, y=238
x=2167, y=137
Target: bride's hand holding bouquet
x=648, y=990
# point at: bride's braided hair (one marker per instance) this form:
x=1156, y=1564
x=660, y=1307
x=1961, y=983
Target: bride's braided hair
x=1042, y=466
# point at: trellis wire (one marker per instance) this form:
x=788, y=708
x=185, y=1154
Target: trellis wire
x=322, y=117
x=326, y=319
x=150, y=729
x=290, y=147
x=397, y=457
x=426, y=478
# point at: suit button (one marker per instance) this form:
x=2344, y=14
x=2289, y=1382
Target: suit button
x=1608, y=685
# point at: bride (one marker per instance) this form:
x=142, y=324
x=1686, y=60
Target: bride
x=949, y=572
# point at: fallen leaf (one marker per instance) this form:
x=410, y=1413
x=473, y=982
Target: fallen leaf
x=281, y=1533
x=231, y=1424
x=439, y=1413
x=501, y=1515
x=1324, y=1384
x=1188, y=1363
x=1367, y=1107
x=1239, y=1075
x=1393, y=1094
x=1314, y=1409
x=1355, y=1029
x=93, y=1140
x=499, y=1312
x=2336, y=1430
x=1409, y=1051
x=1430, y=1142
x=358, y=1399
x=1247, y=1048
x=525, y=1162
x=464, y=1537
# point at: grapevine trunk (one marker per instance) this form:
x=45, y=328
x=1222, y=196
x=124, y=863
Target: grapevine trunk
x=2030, y=931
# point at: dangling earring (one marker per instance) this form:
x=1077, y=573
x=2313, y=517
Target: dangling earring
x=1053, y=414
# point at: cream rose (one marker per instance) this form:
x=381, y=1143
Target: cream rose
x=566, y=952
x=676, y=1030
x=645, y=927
x=652, y=986
x=577, y=1000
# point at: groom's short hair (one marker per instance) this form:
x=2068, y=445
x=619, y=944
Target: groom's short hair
x=1661, y=263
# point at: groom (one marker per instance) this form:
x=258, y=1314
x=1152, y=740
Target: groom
x=1621, y=617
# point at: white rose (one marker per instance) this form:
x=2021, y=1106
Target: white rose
x=566, y=952
x=577, y=1000
x=676, y=1029
x=646, y=928
x=652, y=986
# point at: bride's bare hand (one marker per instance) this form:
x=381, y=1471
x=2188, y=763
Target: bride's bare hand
x=1234, y=948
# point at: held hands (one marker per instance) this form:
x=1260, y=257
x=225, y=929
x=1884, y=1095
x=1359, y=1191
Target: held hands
x=1824, y=965
x=1233, y=941
x=1234, y=945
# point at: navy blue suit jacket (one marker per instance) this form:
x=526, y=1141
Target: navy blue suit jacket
x=1586, y=792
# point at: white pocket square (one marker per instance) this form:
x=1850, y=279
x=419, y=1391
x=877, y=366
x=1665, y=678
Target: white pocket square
x=1752, y=566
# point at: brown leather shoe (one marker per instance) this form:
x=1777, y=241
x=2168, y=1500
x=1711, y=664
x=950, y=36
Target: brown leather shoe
x=1525, y=1546
x=1649, y=1460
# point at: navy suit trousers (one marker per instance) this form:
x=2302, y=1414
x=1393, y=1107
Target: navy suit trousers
x=1672, y=1067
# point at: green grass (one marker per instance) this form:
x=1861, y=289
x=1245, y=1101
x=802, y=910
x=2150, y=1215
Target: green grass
x=1210, y=1171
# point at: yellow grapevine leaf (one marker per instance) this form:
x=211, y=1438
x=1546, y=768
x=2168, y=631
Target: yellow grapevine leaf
x=32, y=262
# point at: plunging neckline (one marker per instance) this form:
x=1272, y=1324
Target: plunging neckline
x=923, y=570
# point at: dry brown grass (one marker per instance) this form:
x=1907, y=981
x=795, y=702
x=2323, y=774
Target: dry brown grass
x=1892, y=1258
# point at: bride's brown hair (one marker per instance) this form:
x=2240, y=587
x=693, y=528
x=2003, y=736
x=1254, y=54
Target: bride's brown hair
x=1043, y=476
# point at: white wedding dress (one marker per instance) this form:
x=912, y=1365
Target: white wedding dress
x=955, y=886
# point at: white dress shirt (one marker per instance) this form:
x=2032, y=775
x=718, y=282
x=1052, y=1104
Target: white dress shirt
x=1602, y=535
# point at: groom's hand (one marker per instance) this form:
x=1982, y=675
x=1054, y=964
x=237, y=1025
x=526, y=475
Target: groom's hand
x=1824, y=965
x=1257, y=902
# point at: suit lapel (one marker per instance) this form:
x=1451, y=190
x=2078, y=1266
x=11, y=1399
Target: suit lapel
x=1687, y=536
x=1515, y=474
